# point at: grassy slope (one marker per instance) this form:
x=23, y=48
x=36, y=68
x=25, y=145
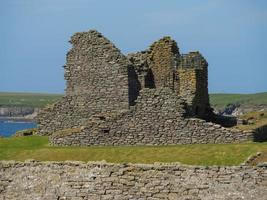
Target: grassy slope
x=222, y=100
x=40, y=100
x=36, y=147
x=27, y=99
x=257, y=118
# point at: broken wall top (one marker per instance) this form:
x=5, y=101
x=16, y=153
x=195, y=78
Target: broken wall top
x=192, y=60
x=97, y=69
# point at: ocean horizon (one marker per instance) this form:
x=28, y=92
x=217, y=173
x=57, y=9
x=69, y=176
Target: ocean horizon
x=9, y=126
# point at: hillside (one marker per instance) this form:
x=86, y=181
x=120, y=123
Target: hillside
x=244, y=101
x=27, y=99
x=218, y=101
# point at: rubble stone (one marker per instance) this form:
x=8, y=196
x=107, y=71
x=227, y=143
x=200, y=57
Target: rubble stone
x=154, y=97
x=99, y=180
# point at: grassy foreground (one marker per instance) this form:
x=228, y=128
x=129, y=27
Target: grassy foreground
x=256, y=119
x=37, y=147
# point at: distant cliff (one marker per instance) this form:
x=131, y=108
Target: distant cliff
x=24, y=105
x=237, y=109
x=25, y=112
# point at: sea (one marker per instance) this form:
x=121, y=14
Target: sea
x=10, y=126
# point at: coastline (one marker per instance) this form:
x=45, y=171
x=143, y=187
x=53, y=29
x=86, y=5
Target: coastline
x=18, y=113
x=22, y=119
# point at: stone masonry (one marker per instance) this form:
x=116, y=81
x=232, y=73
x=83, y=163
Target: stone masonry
x=186, y=74
x=97, y=81
x=156, y=119
x=154, y=97
x=99, y=181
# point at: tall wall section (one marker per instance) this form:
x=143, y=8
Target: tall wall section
x=97, y=76
x=97, y=181
x=158, y=118
x=162, y=58
x=192, y=75
x=96, y=68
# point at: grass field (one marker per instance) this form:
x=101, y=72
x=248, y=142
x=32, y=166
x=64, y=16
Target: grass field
x=257, y=119
x=36, y=147
x=27, y=99
x=222, y=100
x=40, y=100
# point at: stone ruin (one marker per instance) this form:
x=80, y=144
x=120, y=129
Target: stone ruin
x=153, y=97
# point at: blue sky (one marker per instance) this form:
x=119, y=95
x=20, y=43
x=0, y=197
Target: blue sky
x=232, y=36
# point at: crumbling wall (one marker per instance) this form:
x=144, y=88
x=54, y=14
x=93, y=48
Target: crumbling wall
x=150, y=121
x=144, y=98
x=187, y=74
x=142, y=70
x=96, y=180
x=95, y=65
x=158, y=118
x=192, y=75
x=98, y=80
x=163, y=56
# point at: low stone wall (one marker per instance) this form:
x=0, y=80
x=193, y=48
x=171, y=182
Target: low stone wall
x=156, y=119
x=95, y=181
x=191, y=131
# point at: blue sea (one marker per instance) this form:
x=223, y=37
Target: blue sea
x=9, y=126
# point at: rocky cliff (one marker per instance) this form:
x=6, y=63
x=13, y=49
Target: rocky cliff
x=25, y=112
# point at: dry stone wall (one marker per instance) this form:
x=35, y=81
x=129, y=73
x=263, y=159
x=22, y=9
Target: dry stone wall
x=158, y=118
x=98, y=80
x=146, y=98
x=142, y=70
x=192, y=73
x=162, y=58
x=94, y=64
x=187, y=74
x=99, y=181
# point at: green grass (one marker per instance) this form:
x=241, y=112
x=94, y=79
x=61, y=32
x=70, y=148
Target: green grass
x=222, y=100
x=36, y=147
x=27, y=99
x=257, y=119
x=41, y=100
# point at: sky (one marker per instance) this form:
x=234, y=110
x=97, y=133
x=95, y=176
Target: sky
x=230, y=34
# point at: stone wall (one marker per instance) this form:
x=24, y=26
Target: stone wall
x=94, y=64
x=260, y=134
x=158, y=118
x=144, y=73
x=162, y=58
x=187, y=74
x=145, y=98
x=192, y=76
x=99, y=79
x=99, y=181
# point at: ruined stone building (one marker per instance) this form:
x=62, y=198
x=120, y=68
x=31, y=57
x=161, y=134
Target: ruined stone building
x=162, y=66
x=156, y=96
